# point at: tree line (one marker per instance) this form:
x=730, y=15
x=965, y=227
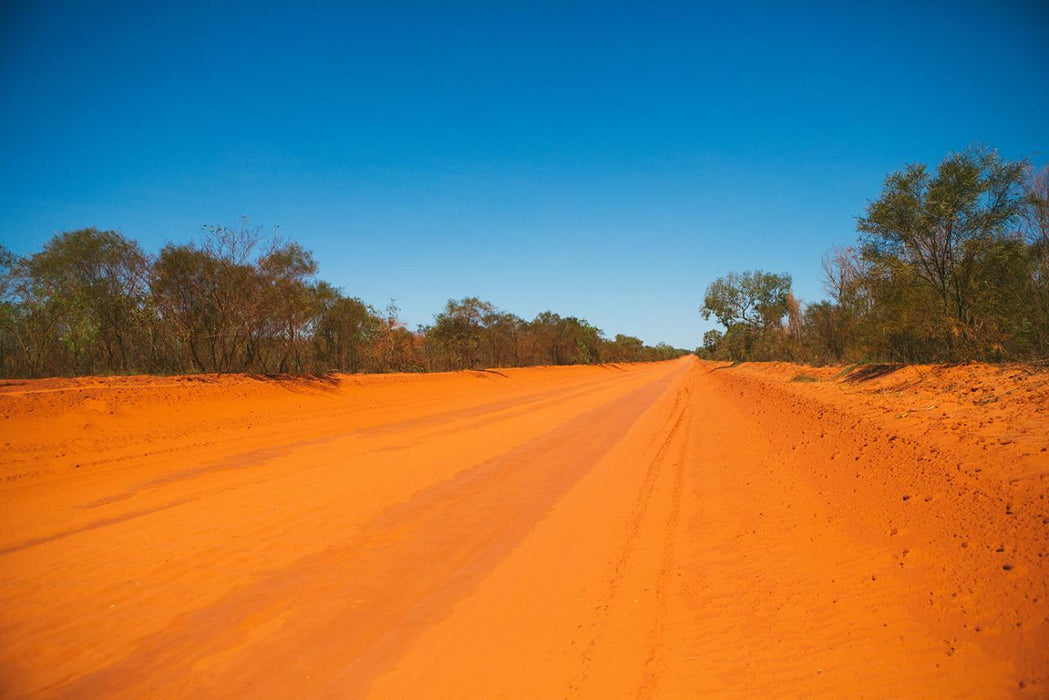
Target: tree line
x=241, y=300
x=951, y=264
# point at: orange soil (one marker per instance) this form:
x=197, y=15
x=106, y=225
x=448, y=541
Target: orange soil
x=670, y=529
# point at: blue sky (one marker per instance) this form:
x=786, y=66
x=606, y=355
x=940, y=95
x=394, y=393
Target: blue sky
x=606, y=160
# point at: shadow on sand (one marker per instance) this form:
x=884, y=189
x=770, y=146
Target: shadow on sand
x=875, y=371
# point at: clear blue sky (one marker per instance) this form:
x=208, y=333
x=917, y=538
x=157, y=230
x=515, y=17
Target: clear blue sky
x=605, y=160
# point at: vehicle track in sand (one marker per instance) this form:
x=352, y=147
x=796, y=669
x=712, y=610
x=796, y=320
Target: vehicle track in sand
x=655, y=530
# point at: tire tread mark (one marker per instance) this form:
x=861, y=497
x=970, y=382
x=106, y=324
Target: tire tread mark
x=621, y=560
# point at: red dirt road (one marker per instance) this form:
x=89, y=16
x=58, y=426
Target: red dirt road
x=671, y=529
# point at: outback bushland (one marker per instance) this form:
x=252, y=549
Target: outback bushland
x=241, y=300
x=951, y=264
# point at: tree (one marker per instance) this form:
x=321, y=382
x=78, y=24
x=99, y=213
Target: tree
x=286, y=274
x=82, y=301
x=343, y=329
x=836, y=324
x=394, y=348
x=941, y=225
x=823, y=330
x=184, y=289
x=751, y=307
x=221, y=304
x=9, y=314
x=711, y=342
x=1036, y=204
x=1036, y=231
x=558, y=340
x=458, y=333
x=755, y=299
x=503, y=332
x=584, y=340
x=625, y=348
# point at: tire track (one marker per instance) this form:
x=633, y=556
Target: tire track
x=652, y=666
x=621, y=561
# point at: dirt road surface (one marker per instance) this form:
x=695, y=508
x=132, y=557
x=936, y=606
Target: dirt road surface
x=677, y=529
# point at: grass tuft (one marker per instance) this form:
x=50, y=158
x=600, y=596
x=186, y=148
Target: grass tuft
x=804, y=378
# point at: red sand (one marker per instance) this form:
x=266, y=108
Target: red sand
x=671, y=529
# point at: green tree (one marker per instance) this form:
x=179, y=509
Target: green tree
x=942, y=225
x=211, y=304
x=185, y=293
x=712, y=342
x=343, y=330
x=558, y=340
x=83, y=297
x=625, y=348
x=9, y=314
x=458, y=333
x=754, y=300
x=1036, y=231
x=288, y=310
x=503, y=333
x=751, y=306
